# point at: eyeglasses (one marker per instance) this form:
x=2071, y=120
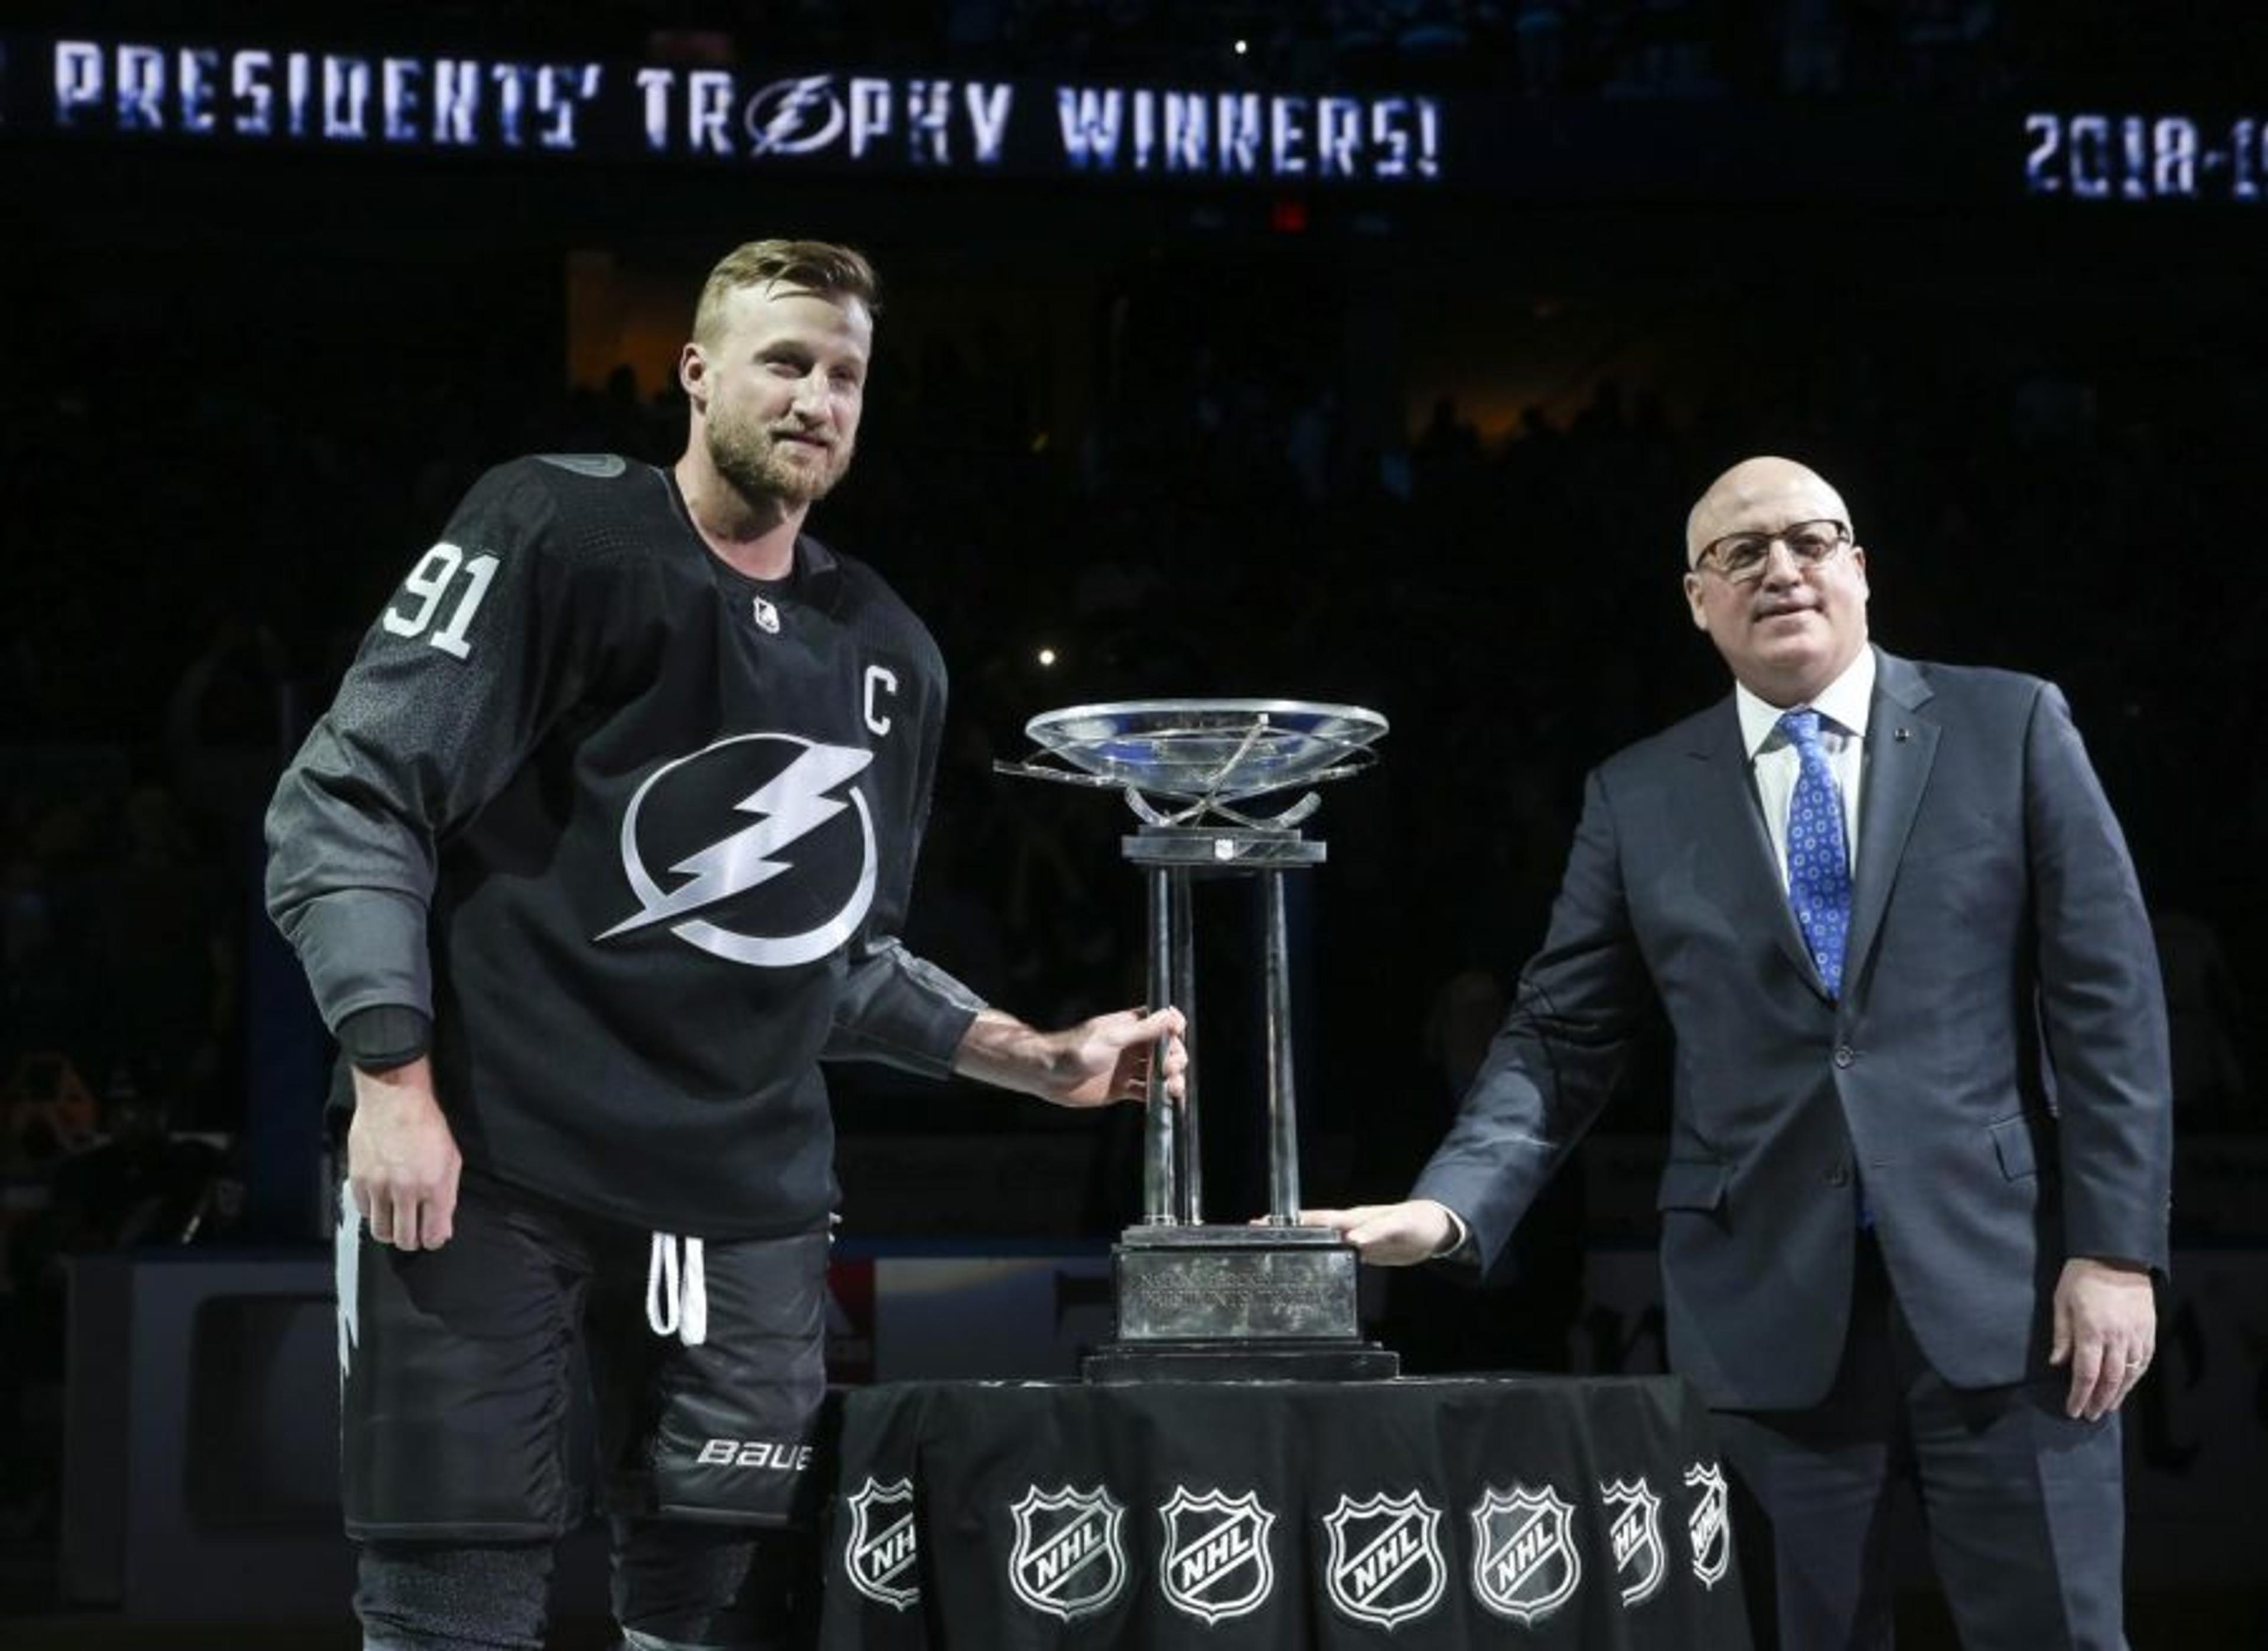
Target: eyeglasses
x=1741, y=557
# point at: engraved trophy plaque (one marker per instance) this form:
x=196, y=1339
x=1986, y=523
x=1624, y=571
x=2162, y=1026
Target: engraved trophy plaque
x=1271, y=1299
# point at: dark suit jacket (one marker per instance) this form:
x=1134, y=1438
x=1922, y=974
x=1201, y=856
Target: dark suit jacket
x=1995, y=1072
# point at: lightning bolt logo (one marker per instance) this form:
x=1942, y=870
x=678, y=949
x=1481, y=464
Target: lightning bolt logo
x=776, y=118
x=788, y=807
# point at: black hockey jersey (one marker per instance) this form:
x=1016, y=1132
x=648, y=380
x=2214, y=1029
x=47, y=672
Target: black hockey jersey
x=637, y=832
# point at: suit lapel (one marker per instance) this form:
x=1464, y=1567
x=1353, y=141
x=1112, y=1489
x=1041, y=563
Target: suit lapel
x=1735, y=831
x=1901, y=745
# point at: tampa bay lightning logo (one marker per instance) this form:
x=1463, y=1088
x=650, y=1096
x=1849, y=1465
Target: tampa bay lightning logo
x=794, y=117
x=802, y=823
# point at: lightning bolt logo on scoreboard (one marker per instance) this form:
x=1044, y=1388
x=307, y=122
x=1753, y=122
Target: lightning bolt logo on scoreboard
x=794, y=117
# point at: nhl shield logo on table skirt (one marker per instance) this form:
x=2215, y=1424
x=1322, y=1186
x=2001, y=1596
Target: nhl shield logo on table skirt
x=878, y=1554
x=1068, y=1559
x=1525, y=1566
x=1708, y=1523
x=1216, y=1563
x=1385, y=1565
x=1634, y=1535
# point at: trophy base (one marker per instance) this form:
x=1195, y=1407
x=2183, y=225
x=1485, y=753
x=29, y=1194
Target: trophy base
x=1240, y=1285
x=1120, y=1363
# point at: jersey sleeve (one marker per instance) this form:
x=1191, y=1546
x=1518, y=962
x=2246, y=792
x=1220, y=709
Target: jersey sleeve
x=894, y=1007
x=453, y=686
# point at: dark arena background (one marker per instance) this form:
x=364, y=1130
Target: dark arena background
x=1369, y=351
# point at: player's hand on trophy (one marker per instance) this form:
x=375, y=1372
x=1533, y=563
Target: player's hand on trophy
x=1093, y=1064
x=1391, y=1235
x=402, y=1161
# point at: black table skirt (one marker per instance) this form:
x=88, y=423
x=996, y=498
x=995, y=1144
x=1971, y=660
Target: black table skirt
x=1425, y=1515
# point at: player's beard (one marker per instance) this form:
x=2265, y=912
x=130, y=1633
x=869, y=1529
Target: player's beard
x=749, y=456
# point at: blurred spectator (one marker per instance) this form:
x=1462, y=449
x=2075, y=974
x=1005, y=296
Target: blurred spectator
x=141, y=1184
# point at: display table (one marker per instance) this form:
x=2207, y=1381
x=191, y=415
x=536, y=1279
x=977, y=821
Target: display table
x=1414, y=1513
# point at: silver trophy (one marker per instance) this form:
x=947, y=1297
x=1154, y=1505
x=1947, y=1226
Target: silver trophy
x=1271, y=1298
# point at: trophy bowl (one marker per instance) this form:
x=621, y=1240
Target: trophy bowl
x=1217, y=750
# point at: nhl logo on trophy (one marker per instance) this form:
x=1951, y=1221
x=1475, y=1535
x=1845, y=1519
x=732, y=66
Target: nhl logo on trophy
x=1239, y=1300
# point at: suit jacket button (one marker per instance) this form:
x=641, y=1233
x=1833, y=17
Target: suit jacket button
x=1844, y=1054
x=1839, y=1176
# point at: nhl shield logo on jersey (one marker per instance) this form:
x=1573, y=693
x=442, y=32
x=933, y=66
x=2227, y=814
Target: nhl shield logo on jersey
x=1708, y=1523
x=1386, y=1566
x=1525, y=1566
x=772, y=841
x=879, y=1552
x=1068, y=1560
x=1217, y=1562
x=1634, y=1534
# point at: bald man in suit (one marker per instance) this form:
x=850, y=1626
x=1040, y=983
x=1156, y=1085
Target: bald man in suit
x=1916, y=1194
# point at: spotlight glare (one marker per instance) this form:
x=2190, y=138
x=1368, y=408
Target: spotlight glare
x=1047, y=656
x=1241, y=49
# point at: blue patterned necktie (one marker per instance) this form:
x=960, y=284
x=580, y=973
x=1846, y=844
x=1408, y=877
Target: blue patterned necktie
x=1818, y=863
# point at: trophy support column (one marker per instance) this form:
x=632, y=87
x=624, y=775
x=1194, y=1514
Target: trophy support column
x=1198, y=1300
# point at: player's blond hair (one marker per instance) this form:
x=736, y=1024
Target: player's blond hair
x=813, y=266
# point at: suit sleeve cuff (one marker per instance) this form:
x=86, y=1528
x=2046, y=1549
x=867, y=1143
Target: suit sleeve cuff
x=1458, y=1246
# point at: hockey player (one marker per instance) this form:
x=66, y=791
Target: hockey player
x=601, y=849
